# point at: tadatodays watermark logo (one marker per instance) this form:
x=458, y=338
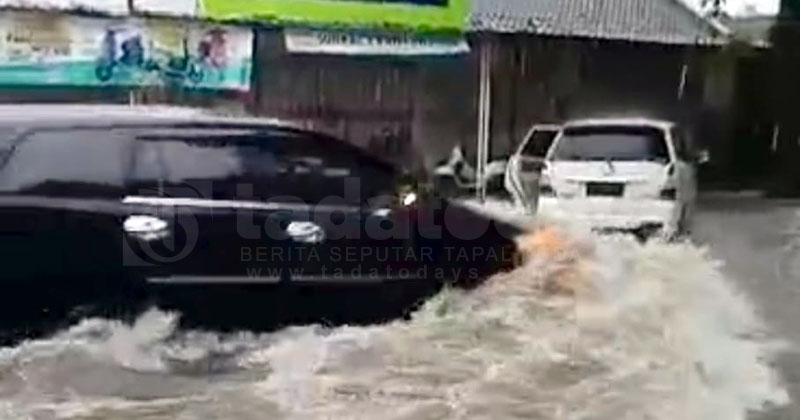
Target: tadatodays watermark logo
x=167, y=225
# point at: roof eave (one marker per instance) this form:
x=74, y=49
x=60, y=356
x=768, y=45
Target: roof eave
x=704, y=42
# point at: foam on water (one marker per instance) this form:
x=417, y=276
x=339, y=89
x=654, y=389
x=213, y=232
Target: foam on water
x=594, y=328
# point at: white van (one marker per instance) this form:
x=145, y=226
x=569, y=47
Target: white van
x=634, y=175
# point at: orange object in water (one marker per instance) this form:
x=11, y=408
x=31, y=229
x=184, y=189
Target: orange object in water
x=547, y=242
x=569, y=272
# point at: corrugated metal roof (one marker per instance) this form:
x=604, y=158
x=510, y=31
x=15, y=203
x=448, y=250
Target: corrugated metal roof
x=659, y=21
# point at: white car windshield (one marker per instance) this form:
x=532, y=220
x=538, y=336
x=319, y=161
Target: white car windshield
x=612, y=143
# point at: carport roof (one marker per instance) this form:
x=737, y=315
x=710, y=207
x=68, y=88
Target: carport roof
x=654, y=21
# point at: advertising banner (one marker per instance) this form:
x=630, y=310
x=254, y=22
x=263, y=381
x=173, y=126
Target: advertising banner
x=423, y=15
x=50, y=49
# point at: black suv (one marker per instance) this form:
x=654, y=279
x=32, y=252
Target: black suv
x=121, y=204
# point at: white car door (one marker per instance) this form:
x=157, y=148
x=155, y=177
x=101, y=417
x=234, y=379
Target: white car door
x=533, y=148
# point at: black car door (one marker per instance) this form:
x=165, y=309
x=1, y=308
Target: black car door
x=60, y=191
x=351, y=228
x=196, y=212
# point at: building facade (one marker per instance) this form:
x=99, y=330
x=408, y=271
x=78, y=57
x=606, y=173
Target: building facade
x=549, y=61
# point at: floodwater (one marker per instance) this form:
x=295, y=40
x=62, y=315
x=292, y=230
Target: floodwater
x=591, y=327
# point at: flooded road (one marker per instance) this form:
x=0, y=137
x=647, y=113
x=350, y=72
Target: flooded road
x=589, y=328
x=759, y=242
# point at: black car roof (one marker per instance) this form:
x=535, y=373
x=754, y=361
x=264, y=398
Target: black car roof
x=58, y=114
x=61, y=116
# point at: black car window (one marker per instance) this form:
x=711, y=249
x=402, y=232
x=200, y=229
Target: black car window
x=612, y=143
x=65, y=162
x=261, y=165
x=325, y=169
x=207, y=163
x=539, y=143
x=228, y=163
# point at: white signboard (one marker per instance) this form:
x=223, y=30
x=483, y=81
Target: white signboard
x=188, y=8
x=111, y=7
x=369, y=43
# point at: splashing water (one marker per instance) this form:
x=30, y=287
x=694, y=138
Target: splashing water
x=589, y=328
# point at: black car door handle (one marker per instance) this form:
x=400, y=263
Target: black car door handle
x=305, y=232
x=146, y=228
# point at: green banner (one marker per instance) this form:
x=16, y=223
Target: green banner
x=420, y=15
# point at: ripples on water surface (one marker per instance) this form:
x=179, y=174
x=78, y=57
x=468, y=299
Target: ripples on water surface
x=591, y=328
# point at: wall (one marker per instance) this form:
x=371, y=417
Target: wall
x=371, y=101
x=445, y=108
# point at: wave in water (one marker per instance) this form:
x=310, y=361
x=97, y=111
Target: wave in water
x=589, y=328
